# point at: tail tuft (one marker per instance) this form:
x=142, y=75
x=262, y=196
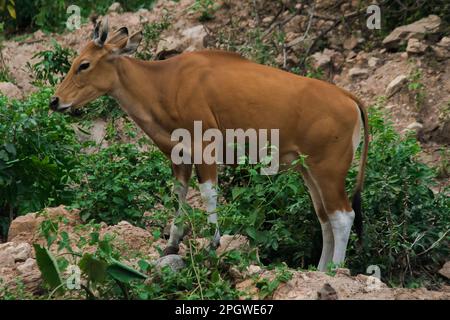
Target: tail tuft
x=356, y=205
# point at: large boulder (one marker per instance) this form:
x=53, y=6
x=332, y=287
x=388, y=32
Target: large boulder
x=18, y=266
x=24, y=228
x=418, y=30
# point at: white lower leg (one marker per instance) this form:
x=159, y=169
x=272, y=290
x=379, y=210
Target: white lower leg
x=341, y=224
x=176, y=231
x=209, y=195
x=327, y=246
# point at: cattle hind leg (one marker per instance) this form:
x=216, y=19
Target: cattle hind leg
x=182, y=175
x=337, y=206
x=327, y=234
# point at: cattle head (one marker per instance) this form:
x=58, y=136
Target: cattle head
x=93, y=73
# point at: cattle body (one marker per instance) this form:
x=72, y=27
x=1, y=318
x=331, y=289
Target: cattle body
x=225, y=91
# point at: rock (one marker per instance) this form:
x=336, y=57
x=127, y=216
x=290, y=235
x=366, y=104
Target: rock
x=27, y=267
x=16, y=264
x=23, y=228
x=414, y=126
x=326, y=58
x=440, y=53
x=416, y=46
x=327, y=293
x=248, y=287
x=295, y=25
x=418, y=30
x=115, y=7
x=356, y=72
x=190, y=39
x=395, y=85
x=442, y=48
x=15, y=251
x=445, y=270
x=10, y=90
x=229, y=243
x=143, y=11
x=267, y=19
x=351, y=56
x=194, y=36
x=373, y=61
x=350, y=43
x=343, y=271
x=96, y=132
x=22, y=225
x=253, y=269
x=174, y=261
x=444, y=43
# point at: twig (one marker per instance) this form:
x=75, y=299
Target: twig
x=434, y=244
x=281, y=23
x=300, y=39
x=258, y=20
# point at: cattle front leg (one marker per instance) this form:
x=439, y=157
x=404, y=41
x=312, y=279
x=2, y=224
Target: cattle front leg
x=207, y=176
x=182, y=174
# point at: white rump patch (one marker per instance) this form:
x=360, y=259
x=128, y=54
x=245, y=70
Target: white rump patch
x=356, y=139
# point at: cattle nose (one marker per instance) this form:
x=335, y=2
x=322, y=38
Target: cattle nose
x=54, y=102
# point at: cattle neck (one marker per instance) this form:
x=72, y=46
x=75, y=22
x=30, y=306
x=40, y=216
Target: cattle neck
x=140, y=91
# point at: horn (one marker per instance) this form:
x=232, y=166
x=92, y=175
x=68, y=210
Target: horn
x=101, y=32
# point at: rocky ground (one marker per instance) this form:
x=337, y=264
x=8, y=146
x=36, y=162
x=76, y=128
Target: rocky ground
x=17, y=261
x=414, y=54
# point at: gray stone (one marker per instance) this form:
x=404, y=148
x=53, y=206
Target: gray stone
x=356, y=72
x=395, y=85
x=414, y=126
x=373, y=61
x=418, y=29
x=445, y=270
x=416, y=46
x=174, y=261
x=115, y=7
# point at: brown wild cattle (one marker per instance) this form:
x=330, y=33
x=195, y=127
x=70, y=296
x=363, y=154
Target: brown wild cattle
x=226, y=91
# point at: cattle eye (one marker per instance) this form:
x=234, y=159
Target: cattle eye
x=83, y=66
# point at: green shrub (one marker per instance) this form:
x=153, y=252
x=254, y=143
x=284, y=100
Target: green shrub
x=120, y=183
x=53, y=64
x=206, y=9
x=151, y=35
x=406, y=224
x=36, y=151
x=51, y=15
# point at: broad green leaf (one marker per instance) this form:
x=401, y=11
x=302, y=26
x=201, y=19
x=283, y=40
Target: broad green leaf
x=12, y=11
x=124, y=273
x=48, y=267
x=94, y=268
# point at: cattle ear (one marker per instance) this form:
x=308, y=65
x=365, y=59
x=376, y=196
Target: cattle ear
x=132, y=44
x=118, y=36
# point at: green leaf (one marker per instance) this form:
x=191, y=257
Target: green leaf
x=94, y=268
x=10, y=148
x=48, y=267
x=124, y=273
x=12, y=11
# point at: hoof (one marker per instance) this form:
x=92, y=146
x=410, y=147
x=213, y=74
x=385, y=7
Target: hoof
x=214, y=245
x=170, y=250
